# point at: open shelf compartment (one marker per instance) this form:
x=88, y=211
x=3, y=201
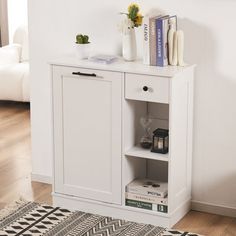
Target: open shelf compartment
x=141, y=168
x=140, y=163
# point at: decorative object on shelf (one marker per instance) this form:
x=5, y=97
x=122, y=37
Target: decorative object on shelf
x=129, y=49
x=134, y=19
x=82, y=46
x=146, y=139
x=180, y=47
x=160, y=143
x=172, y=47
x=175, y=45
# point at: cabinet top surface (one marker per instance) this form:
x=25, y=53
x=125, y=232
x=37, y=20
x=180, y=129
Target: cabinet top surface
x=120, y=65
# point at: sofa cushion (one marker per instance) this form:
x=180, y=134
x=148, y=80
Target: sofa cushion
x=10, y=54
x=14, y=82
x=25, y=50
x=21, y=37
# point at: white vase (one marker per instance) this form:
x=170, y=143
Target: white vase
x=82, y=50
x=129, y=49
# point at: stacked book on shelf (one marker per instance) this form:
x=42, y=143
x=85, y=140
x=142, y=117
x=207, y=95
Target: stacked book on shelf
x=156, y=39
x=147, y=194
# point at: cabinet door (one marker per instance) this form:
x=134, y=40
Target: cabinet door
x=87, y=133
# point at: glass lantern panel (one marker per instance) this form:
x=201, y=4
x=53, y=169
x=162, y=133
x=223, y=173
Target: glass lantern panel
x=167, y=142
x=155, y=144
x=160, y=144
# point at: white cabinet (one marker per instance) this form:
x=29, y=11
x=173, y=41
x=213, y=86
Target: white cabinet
x=87, y=131
x=96, y=119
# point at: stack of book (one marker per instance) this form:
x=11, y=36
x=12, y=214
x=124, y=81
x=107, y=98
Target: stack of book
x=156, y=39
x=147, y=194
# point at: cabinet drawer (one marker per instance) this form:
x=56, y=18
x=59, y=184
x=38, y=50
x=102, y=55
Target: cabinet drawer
x=147, y=88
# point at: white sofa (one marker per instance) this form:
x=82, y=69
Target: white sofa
x=14, y=68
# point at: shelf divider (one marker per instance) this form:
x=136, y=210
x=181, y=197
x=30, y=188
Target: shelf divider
x=140, y=152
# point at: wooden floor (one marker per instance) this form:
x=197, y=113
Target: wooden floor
x=15, y=169
x=15, y=163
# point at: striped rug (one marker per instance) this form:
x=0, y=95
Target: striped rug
x=30, y=218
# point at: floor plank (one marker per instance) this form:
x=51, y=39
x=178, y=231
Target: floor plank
x=15, y=169
x=15, y=163
x=207, y=224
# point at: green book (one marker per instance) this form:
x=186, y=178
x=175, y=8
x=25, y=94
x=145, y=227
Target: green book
x=138, y=204
x=146, y=205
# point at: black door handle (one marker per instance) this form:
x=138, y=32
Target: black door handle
x=84, y=74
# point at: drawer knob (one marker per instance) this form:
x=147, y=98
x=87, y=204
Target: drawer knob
x=145, y=88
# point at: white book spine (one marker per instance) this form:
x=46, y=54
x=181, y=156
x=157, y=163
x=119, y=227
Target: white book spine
x=165, y=40
x=146, y=41
x=144, y=198
x=144, y=191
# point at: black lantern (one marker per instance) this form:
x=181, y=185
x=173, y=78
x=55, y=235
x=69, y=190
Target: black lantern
x=160, y=143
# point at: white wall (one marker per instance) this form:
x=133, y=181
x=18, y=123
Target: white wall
x=210, y=43
x=17, y=15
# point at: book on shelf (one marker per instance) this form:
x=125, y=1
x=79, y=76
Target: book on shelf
x=149, y=48
x=148, y=187
x=147, y=206
x=146, y=41
x=155, y=48
x=152, y=40
x=146, y=198
x=162, y=27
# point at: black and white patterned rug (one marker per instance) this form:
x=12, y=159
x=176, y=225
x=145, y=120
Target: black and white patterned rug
x=30, y=218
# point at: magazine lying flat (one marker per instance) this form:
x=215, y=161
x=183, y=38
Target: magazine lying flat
x=103, y=59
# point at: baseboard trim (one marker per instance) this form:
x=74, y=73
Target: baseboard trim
x=214, y=209
x=41, y=178
x=121, y=211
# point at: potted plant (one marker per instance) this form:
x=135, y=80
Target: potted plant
x=82, y=46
